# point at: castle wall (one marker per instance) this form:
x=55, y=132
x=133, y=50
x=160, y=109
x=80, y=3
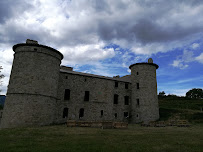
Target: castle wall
x=144, y=98
x=33, y=85
x=101, y=97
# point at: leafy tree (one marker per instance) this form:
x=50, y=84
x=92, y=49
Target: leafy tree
x=195, y=93
x=162, y=93
x=1, y=76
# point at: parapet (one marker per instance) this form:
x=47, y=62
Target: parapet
x=150, y=62
x=66, y=68
x=33, y=43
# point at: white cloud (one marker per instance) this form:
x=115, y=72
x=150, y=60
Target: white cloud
x=187, y=57
x=195, y=45
x=199, y=58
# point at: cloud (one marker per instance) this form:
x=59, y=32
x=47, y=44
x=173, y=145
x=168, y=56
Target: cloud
x=199, y=58
x=195, y=45
x=82, y=29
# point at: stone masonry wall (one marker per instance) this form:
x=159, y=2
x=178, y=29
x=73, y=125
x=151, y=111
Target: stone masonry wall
x=101, y=98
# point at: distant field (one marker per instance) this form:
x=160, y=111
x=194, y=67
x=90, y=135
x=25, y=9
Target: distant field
x=134, y=139
x=188, y=109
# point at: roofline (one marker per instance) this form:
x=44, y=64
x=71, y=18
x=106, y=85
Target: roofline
x=38, y=45
x=144, y=63
x=92, y=75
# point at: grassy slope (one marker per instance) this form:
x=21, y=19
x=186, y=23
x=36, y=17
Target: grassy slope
x=135, y=138
x=184, y=108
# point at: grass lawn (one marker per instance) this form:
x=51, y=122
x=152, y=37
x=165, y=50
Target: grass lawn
x=134, y=139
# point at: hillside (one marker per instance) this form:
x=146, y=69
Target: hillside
x=182, y=108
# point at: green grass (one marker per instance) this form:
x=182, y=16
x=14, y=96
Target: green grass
x=134, y=139
x=185, y=108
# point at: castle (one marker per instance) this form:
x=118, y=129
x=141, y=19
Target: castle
x=41, y=92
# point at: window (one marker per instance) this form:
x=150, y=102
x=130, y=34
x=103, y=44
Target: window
x=137, y=73
x=85, y=79
x=65, y=112
x=102, y=113
x=66, y=77
x=138, y=102
x=137, y=115
x=126, y=100
x=67, y=94
x=125, y=114
x=35, y=49
x=87, y=94
x=116, y=84
x=115, y=115
x=126, y=85
x=138, y=86
x=115, y=99
x=81, y=113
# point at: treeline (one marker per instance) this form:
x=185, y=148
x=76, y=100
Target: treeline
x=195, y=93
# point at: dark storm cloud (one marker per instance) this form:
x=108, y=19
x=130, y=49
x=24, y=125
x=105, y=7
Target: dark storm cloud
x=11, y=8
x=151, y=25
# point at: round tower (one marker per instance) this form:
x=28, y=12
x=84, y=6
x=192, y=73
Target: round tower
x=144, y=92
x=32, y=90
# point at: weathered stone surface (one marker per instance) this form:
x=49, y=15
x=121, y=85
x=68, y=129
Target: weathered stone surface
x=37, y=87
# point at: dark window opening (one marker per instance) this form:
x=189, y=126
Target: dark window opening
x=116, y=84
x=115, y=115
x=115, y=99
x=81, y=113
x=87, y=94
x=137, y=115
x=85, y=79
x=126, y=85
x=35, y=49
x=1, y=114
x=138, y=86
x=65, y=112
x=102, y=113
x=138, y=102
x=67, y=94
x=66, y=77
x=126, y=100
x=137, y=73
x=125, y=114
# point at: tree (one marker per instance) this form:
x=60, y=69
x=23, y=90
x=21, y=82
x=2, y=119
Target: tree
x=162, y=93
x=195, y=93
x=1, y=76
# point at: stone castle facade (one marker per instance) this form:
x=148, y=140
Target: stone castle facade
x=41, y=92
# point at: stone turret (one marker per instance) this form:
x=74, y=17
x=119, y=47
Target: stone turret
x=144, y=92
x=33, y=85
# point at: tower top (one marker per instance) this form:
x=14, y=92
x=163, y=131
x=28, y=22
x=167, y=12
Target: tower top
x=150, y=62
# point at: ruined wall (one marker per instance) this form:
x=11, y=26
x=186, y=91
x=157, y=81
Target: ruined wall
x=101, y=97
x=33, y=85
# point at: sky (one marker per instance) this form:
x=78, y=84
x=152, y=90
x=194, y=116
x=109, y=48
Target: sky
x=105, y=37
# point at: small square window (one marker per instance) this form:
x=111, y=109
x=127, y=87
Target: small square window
x=138, y=102
x=126, y=114
x=67, y=94
x=35, y=49
x=102, y=113
x=126, y=85
x=137, y=73
x=126, y=100
x=116, y=84
x=87, y=94
x=138, y=86
x=115, y=115
x=115, y=99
